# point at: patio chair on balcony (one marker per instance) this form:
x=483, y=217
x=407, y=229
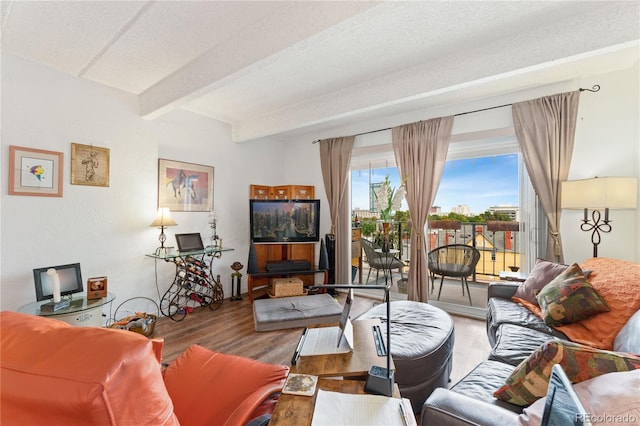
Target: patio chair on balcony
x=380, y=261
x=453, y=260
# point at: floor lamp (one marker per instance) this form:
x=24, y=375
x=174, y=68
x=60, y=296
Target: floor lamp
x=380, y=380
x=604, y=193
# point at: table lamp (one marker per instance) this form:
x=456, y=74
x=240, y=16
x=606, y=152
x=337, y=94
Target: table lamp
x=380, y=380
x=598, y=194
x=163, y=219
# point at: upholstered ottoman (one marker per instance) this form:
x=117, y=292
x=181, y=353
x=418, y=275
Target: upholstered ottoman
x=421, y=346
x=294, y=312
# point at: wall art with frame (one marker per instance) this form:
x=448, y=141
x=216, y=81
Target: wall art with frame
x=185, y=187
x=89, y=165
x=35, y=172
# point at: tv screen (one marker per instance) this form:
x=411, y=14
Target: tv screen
x=284, y=221
x=70, y=281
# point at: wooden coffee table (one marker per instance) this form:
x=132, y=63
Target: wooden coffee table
x=296, y=410
x=352, y=365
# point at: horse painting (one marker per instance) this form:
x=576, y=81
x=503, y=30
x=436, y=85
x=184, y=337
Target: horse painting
x=183, y=182
x=178, y=184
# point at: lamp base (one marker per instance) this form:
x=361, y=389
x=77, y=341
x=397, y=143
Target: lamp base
x=161, y=251
x=380, y=381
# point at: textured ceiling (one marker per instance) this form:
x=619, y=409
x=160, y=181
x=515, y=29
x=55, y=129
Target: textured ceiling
x=276, y=68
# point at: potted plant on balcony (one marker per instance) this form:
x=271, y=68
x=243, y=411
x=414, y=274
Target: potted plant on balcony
x=387, y=201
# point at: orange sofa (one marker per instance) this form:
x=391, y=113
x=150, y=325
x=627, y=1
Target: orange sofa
x=52, y=373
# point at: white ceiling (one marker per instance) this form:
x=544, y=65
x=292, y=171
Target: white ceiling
x=290, y=67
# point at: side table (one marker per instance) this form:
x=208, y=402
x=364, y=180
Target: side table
x=296, y=410
x=354, y=364
x=513, y=276
x=80, y=312
x=193, y=284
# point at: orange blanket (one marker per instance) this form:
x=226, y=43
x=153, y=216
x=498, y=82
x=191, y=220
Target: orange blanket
x=617, y=282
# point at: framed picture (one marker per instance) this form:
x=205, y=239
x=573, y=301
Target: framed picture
x=185, y=187
x=96, y=288
x=35, y=172
x=89, y=165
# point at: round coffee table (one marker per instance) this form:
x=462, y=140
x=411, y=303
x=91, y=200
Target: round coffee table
x=421, y=347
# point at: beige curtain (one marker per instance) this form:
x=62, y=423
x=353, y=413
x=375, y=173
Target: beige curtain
x=421, y=152
x=545, y=128
x=335, y=159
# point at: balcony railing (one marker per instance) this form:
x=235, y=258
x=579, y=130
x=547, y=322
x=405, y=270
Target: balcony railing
x=498, y=243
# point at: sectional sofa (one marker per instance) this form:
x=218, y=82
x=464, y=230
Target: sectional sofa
x=509, y=385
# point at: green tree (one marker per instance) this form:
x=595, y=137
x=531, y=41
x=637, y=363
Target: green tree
x=367, y=227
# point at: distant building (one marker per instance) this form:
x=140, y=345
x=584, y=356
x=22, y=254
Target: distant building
x=435, y=210
x=372, y=198
x=462, y=209
x=363, y=214
x=512, y=211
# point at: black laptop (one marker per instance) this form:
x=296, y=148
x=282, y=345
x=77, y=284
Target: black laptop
x=563, y=407
x=189, y=242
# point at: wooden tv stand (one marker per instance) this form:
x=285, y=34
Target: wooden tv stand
x=259, y=283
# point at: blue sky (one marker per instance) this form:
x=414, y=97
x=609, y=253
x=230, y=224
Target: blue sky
x=478, y=182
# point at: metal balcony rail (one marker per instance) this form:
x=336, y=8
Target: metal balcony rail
x=498, y=243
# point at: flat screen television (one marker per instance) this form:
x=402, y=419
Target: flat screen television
x=284, y=221
x=70, y=281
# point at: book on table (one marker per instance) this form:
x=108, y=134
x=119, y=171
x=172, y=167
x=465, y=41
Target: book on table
x=333, y=408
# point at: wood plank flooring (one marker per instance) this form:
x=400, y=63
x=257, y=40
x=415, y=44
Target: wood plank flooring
x=230, y=330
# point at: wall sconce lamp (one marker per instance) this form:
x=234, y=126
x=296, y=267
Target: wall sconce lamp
x=163, y=219
x=598, y=194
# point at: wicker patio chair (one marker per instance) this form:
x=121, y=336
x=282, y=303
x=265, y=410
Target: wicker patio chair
x=453, y=260
x=380, y=261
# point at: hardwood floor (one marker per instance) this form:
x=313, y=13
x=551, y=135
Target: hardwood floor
x=230, y=330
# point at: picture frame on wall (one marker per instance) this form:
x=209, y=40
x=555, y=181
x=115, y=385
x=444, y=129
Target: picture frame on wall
x=185, y=187
x=89, y=165
x=36, y=172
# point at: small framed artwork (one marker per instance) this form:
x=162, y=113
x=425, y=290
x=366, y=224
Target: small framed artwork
x=35, y=172
x=96, y=288
x=185, y=187
x=89, y=165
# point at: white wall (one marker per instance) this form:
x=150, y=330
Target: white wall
x=606, y=144
x=107, y=229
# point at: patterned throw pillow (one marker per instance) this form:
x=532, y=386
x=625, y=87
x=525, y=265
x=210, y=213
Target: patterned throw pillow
x=569, y=298
x=530, y=380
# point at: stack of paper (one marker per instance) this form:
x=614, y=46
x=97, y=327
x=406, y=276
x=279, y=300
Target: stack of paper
x=334, y=408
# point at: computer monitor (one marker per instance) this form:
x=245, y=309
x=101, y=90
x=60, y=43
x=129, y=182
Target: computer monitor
x=70, y=281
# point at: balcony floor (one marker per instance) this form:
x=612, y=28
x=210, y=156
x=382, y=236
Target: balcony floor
x=451, y=298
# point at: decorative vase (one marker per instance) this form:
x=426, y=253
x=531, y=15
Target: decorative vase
x=386, y=227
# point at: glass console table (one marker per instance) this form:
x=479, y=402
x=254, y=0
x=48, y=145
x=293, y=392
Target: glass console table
x=80, y=312
x=193, y=284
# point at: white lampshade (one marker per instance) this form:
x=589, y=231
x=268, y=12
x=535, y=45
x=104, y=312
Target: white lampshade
x=600, y=193
x=163, y=218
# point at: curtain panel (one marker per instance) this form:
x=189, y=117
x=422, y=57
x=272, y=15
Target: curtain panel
x=421, y=152
x=545, y=128
x=335, y=160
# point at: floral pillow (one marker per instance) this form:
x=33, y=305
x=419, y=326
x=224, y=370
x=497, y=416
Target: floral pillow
x=569, y=298
x=530, y=379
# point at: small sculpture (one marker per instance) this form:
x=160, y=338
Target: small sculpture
x=236, y=278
